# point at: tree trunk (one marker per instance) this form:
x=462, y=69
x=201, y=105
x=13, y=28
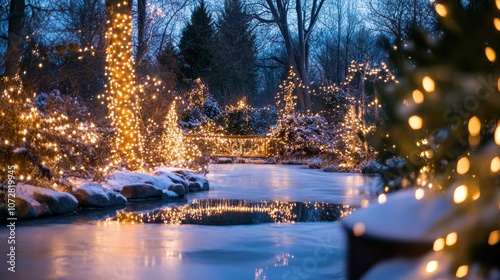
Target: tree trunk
x=15, y=37
x=141, y=30
x=123, y=101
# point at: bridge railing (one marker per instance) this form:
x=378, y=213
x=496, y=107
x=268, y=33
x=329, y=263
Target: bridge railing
x=248, y=146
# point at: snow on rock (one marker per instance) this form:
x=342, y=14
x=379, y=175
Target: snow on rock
x=118, y=179
x=194, y=181
x=92, y=195
x=403, y=218
x=32, y=202
x=166, y=183
x=142, y=191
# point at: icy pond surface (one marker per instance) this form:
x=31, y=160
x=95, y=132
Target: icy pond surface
x=79, y=247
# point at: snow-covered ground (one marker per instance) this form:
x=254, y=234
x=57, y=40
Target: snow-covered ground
x=107, y=250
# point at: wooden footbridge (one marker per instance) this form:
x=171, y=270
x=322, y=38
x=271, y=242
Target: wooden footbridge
x=249, y=146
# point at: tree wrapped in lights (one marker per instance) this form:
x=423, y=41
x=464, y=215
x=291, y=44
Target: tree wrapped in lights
x=122, y=94
x=348, y=146
x=443, y=119
x=175, y=149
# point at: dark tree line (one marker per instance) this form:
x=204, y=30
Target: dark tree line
x=242, y=49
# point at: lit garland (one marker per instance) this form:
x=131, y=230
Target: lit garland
x=122, y=93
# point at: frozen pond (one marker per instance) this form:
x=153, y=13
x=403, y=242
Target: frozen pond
x=285, y=183
x=78, y=248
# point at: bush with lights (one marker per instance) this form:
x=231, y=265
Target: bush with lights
x=443, y=120
x=47, y=136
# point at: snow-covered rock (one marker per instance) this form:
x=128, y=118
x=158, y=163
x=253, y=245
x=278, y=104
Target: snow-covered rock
x=141, y=191
x=118, y=179
x=92, y=195
x=178, y=189
x=168, y=183
x=95, y=196
x=195, y=182
x=32, y=202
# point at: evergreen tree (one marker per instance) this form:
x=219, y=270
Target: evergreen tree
x=234, y=76
x=195, y=45
x=443, y=120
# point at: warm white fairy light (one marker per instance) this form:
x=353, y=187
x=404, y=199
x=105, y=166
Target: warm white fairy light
x=415, y=122
x=494, y=237
x=438, y=245
x=474, y=126
x=431, y=266
x=490, y=54
x=441, y=10
x=428, y=84
x=463, y=165
x=462, y=271
x=496, y=22
x=460, y=194
x=451, y=239
x=418, y=96
x=495, y=165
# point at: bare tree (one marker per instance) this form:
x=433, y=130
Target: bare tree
x=394, y=18
x=305, y=15
x=15, y=37
x=141, y=30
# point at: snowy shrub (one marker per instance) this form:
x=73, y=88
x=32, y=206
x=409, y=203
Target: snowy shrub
x=371, y=167
x=314, y=163
x=271, y=160
x=340, y=168
x=48, y=136
x=303, y=136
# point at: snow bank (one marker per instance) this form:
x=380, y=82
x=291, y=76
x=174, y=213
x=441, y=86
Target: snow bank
x=403, y=218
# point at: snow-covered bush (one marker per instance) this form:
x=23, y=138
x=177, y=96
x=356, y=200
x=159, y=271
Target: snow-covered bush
x=303, y=136
x=48, y=136
x=314, y=163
